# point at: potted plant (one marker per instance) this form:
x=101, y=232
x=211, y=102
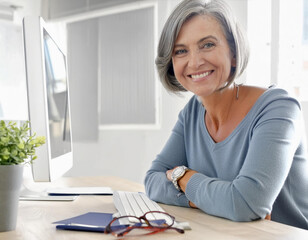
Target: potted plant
x=17, y=148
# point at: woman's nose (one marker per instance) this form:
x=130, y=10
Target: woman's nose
x=195, y=59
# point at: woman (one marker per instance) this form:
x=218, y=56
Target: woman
x=236, y=151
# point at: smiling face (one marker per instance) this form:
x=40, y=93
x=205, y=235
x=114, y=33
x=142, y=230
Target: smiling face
x=201, y=57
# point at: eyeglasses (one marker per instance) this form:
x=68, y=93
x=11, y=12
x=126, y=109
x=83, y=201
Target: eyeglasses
x=150, y=223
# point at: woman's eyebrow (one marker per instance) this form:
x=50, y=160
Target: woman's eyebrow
x=207, y=37
x=200, y=41
x=179, y=45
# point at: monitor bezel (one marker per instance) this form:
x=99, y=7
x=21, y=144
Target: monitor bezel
x=44, y=168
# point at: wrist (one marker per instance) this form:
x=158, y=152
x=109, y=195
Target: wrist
x=185, y=179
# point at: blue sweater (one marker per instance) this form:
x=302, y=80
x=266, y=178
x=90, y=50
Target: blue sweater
x=260, y=168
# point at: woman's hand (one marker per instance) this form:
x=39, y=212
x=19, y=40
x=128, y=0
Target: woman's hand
x=182, y=182
x=192, y=205
x=169, y=174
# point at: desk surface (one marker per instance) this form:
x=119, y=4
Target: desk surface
x=35, y=218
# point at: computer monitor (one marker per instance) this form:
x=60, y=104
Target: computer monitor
x=48, y=100
x=49, y=113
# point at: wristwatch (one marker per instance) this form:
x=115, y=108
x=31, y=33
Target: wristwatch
x=176, y=174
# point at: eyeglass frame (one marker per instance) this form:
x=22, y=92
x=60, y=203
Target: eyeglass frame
x=154, y=229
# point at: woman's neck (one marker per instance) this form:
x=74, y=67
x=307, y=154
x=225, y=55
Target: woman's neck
x=221, y=110
x=220, y=104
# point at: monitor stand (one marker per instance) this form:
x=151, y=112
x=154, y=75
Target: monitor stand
x=29, y=195
x=36, y=191
x=43, y=192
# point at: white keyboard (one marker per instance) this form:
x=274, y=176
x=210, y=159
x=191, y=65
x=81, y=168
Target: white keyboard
x=134, y=203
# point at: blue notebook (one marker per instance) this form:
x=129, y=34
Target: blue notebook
x=91, y=221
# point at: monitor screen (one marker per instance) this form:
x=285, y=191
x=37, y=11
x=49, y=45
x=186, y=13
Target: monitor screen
x=57, y=98
x=48, y=100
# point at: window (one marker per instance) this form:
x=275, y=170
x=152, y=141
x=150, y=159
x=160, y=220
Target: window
x=293, y=47
x=279, y=44
x=259, y=69
x=111, y=68
x=304, y=87
x=126, y=63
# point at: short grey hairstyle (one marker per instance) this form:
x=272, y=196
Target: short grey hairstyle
x=187, y=9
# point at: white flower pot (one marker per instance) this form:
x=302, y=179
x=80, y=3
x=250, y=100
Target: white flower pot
x=11, y=177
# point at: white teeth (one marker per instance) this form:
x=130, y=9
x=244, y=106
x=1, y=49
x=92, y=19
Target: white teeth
x=201, y=75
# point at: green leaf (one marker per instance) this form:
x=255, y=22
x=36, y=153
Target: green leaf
x=21, y=145
x=17, y=145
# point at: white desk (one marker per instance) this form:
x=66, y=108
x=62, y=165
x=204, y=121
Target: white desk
x=35, y=218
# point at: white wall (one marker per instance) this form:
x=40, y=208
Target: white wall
x=13, y=97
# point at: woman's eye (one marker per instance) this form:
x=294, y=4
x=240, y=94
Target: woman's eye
x=179, y=51
x=208, y=45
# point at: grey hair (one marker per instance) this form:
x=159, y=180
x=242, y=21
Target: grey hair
x=187, y=9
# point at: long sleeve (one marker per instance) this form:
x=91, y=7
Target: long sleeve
x=158, y=187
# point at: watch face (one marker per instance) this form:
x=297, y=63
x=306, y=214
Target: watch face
x=176, y=172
